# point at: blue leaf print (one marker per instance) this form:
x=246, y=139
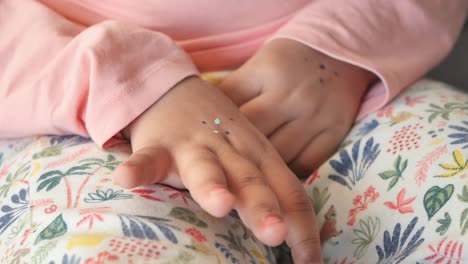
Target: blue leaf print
x=168, y=233
x=227, y=253
x=11, y=214
x=462, y=136
x=368, y=127
x=340, y=167
x=70, y=260
x=135, y=229
x=353, y=170
x=355, y=151
x=339, y=180
x=394, y=249
x=67, y=141
x=137, y=226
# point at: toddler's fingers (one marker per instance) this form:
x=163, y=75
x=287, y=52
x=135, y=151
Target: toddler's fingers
x=321, y=147
x=256, y=203
x=303, y=231
x=265, y=113
x=240, y=90
x=290, y=139
x=203, y=176
x=145, y=166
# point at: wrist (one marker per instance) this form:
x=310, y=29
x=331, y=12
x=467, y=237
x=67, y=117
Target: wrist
x=297, y=55
x=130, y=129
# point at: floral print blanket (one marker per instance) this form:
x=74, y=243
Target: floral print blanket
x=395, y=192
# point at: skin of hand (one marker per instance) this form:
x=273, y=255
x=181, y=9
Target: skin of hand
x=196, y=137
x=304, y=101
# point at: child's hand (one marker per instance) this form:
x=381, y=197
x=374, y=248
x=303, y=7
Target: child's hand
x=304, y=101
x=224, y=161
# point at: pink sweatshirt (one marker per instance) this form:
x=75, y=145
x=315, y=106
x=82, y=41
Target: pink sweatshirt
x=90, y=67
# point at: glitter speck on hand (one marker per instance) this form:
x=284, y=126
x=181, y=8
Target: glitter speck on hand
x=217, y=121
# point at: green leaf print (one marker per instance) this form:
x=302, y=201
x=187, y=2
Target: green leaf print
x=100, y=196
x=464, y=195
x=464, y=221
x=188, y=216
x=319, y=198
x=110, y=163
x=444, y=224
x=181, y=258
x=42, y=252
x=55, y=229
x=235, y=243
x=19, y=175
x=445, y=111
x=53, y=178
x=395, y=174
x=48, y=152
x=435, y=198
x=365, y=235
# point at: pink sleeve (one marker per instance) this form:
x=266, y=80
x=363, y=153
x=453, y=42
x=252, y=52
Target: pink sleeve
x=397, y=40
x=57, y=77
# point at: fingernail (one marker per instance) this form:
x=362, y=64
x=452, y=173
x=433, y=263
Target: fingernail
x=218, y=191
x=272, y=219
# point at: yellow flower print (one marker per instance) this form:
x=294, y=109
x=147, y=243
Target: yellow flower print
x=454, y=169
x=86, y=240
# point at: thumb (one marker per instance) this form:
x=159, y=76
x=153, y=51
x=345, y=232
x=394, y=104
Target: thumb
x=241, y=87
x=145, y=166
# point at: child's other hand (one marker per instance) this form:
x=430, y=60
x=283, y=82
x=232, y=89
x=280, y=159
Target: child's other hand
x=304, y=101
x=224, y=161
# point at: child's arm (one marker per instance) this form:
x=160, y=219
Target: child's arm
x=399, y=41
x=56, y=77
x=308, y=82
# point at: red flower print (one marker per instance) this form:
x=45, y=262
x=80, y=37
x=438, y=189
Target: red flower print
x=370, y=195
x=26, y=233
x=402, y=203
x=370, y=191
x=386, y=112
x=451, y=252
x=145, y=193
x=50, y=209
x=90, y=219
x=176, y=194
x=357, y=199
x=136, y=248
x=5, y=169
x=406, y=138
x=425, y=163
x=344, y=261
x=412, y=101
x=312, y=178
x=102, y=258
x=195, y=233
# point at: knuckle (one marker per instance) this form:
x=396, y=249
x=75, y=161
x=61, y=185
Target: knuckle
x=307, y=250
x=298, y=202
x=204, y=156
x=305, y=245
x=144, y=156
x=268, y=151
x=249, y=178
x=263, y=207
x=303, y=167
